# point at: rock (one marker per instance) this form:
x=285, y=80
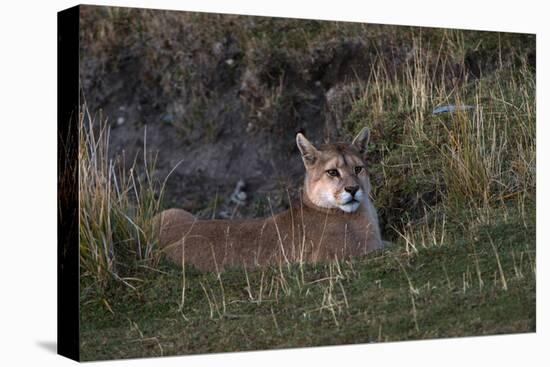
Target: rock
x=239, y=195
x=451, y=109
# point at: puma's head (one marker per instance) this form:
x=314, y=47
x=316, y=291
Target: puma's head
x=336, y=174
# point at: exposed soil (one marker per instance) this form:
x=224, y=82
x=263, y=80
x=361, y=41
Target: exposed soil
x=221, y=108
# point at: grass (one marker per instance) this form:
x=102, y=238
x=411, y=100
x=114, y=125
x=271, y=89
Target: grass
x=455, y=193
x=479, y=284
x=117, y=205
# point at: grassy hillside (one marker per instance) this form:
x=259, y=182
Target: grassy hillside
x=455, y=191
x=479, y=284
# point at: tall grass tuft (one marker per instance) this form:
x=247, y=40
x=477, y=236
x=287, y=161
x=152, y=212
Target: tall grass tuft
x=481, y=154
x=490, y=154
x=116, y=207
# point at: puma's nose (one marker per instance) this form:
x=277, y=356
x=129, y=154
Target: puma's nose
x=351, y=189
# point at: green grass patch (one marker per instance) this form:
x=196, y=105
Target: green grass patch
x=479, y=281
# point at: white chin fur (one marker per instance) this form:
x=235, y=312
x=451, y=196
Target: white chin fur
x=351, y=207
x=327, y=201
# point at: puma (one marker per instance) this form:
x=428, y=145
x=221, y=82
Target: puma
x=334, y=218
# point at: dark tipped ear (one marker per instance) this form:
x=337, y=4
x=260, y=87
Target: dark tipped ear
x=362, y=140
x=308, y=151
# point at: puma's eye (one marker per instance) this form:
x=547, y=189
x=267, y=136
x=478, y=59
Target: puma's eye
x=333, y=173
x=358, y=170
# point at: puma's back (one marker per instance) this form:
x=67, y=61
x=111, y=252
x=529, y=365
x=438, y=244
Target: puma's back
x=333, y=218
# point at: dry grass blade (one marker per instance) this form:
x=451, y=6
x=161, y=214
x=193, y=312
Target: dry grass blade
x=116, y=209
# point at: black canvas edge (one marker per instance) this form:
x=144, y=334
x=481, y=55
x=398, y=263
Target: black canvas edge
x=68, y=319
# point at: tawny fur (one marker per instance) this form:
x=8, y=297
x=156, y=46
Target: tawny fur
x=316, y=228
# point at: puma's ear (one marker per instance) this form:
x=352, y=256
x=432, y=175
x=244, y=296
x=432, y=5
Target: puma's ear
x=308, y=151
x=362, y=140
